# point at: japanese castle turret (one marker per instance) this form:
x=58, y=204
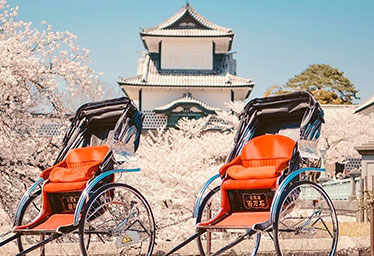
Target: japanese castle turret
x=187, y=70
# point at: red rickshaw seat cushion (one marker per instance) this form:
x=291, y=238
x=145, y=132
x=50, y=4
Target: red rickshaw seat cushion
x=258, y=167
x=80, y=165
x=231, y=184
x=53, y=187
x=263, y=157
x=239, y=172
x=61, y=174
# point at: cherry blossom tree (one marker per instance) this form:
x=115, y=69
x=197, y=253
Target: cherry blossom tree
x=37, y=70
x=344, y=130
x=175, y=164
x=72, y=103
x=40, y=68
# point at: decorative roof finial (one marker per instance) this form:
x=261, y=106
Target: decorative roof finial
x=187, y=2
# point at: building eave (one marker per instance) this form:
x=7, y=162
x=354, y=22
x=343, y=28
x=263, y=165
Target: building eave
x=152, y=34
x=121, y=83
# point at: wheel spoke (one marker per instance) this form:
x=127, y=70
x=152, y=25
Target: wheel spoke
x=306, y=220
x=121, y=219
x=326, y=228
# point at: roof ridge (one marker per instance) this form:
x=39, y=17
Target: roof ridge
x=209, y=23
x=172, y=19
x=365, y=104
x=188, y=8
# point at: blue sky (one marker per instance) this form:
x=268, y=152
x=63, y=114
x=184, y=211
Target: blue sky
x=274, y=41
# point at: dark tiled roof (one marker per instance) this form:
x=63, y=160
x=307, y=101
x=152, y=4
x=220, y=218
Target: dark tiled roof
x=177, y=78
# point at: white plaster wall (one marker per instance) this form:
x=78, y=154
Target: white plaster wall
x=213, y=97
x=152, y=98
x=187, y=53
x=155, y=97
x=217, y=97
x=368, y=171
x=158, y=96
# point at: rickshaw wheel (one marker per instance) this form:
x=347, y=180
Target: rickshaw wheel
x=29, y=212
x=117, y=220
x=305, y=220
x=213, y=240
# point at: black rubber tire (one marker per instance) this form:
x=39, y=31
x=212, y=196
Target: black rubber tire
x=94, y=201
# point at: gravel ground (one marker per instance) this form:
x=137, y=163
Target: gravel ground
x=346, y=246
x=357, y=243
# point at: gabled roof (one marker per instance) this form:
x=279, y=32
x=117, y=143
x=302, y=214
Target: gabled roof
x=369, y=102
x=186, y=100
x=189, y=23
x=152, y=77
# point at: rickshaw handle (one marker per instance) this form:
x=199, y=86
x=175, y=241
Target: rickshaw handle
x=200, y=195
x=24, y=199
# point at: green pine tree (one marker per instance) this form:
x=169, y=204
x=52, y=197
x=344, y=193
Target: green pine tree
x=327, y=84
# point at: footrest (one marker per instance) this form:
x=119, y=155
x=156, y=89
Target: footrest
x=51, y=224
x=240, y=220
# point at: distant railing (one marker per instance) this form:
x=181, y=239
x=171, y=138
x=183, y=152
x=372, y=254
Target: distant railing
x=341, y=189
x=337, y=190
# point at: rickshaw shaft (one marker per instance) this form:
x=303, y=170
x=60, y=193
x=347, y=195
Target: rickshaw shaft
x=44, y=242
x=187, y=241
x=9, y=239
x=238, y=240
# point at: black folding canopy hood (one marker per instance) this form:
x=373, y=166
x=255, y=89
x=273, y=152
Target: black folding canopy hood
x=297, y=110
x=93, y=122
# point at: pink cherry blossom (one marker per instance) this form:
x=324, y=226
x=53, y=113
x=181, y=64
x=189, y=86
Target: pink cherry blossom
x=39, y=71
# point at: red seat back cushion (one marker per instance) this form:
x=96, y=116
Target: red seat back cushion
x=60, y=174
x=261, y=156
x=82, y=163
x=81, y=157
x=266, y=149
